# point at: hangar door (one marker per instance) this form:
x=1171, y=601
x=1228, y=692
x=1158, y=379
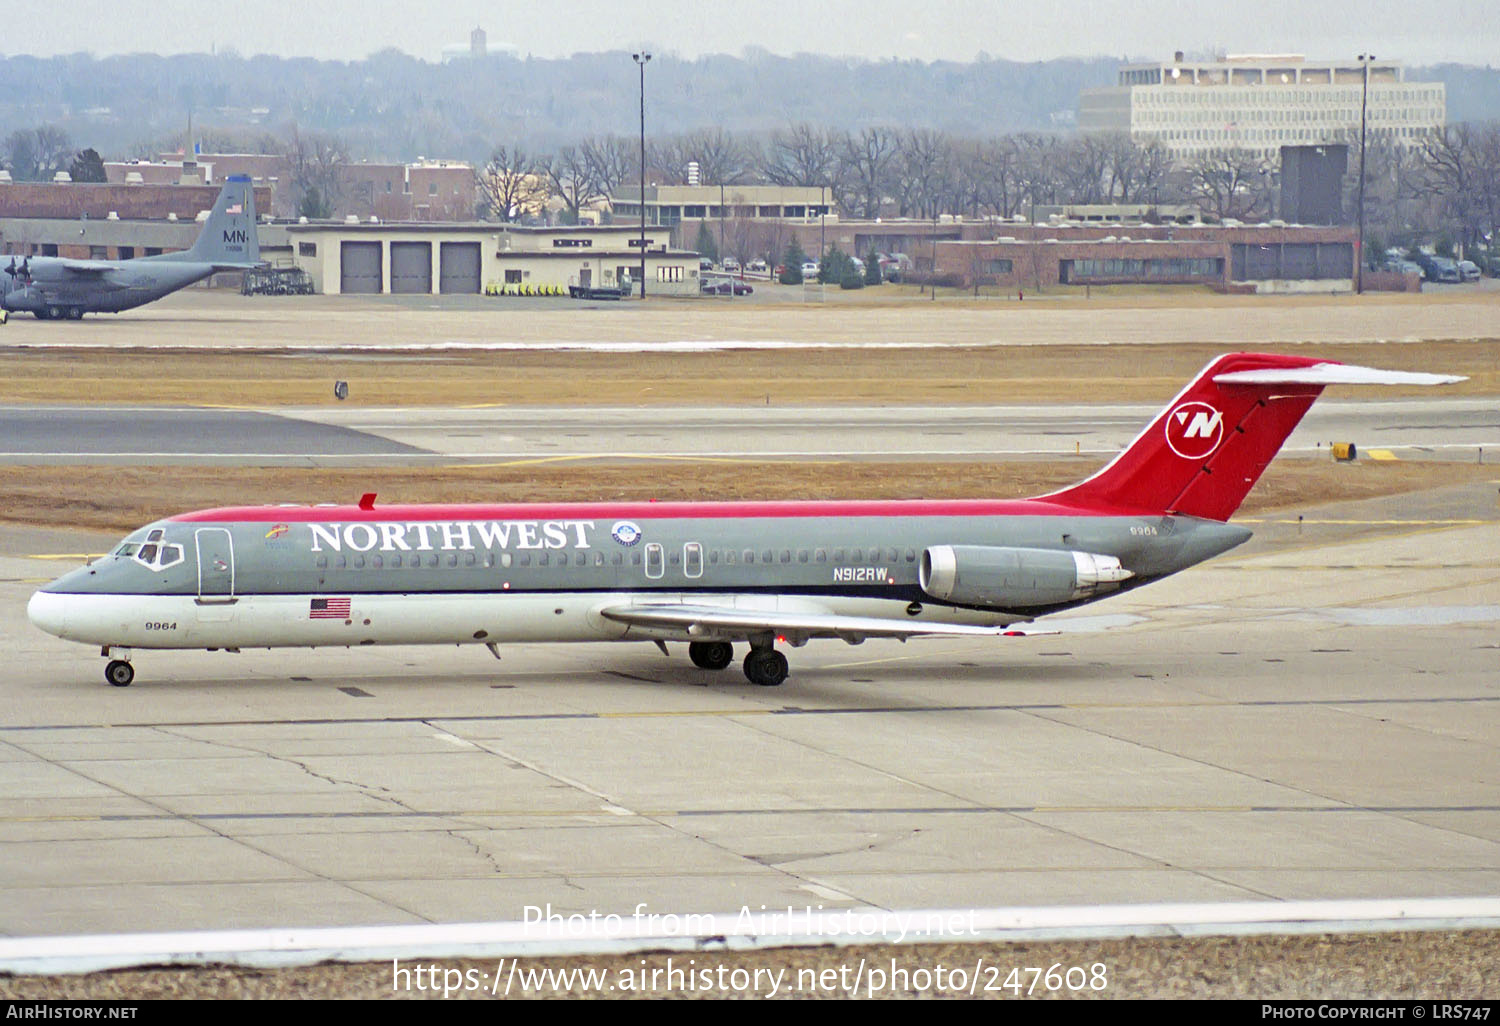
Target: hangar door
x=458, y=267
x=359, y=264
x=411, y=267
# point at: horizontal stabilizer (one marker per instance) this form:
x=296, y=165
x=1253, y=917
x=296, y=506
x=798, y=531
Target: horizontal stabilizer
x=1333, y=374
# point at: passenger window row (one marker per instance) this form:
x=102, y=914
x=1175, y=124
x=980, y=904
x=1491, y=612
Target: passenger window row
x=693, y=554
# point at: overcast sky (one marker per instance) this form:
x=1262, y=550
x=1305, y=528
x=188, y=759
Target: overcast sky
x=1465, y=31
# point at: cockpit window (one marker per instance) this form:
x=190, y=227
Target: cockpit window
x=153, y=555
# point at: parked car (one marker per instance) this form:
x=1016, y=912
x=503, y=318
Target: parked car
x=730, y=265
x=724, y=287
x=756, y=266
x=705, y=264
x=1440, y=269
x=1402, y=267
x=1444, y=270
x=810, y=270
x=1468, y=270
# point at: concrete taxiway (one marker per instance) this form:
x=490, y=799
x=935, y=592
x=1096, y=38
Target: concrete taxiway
x=343, y=436
x=1310, y=716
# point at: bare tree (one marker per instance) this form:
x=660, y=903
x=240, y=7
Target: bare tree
x=37, y=153
x=1083, y=167
x=992, y=169
x=919, y=172
x=1038, y=158
x=721, y=159
x=315, y=164
x=1460, y=168
x=1134, y=172
x=612, y=161
x=801, y=155
x=1230, y=183
x=572, y=179
x=1398, y=210
x=865, y=170
x=512, y=185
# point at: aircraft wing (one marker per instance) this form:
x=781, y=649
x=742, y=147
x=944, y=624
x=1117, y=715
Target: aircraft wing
x=727, y=624
x=91, y=267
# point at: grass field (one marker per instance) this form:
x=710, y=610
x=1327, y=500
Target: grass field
x=289, y=377
x=123, y=498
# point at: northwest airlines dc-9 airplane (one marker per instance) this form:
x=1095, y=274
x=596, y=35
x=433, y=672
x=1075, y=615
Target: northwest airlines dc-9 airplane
x=711, y=574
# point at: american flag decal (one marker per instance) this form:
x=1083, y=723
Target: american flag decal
x=235, y=208
x=328, y=609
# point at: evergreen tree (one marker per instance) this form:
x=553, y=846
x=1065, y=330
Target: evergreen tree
x=834, y=266
x=705, y=245
x=791, y=264
x=872, y=269
x=87, y=166
x=314, y=206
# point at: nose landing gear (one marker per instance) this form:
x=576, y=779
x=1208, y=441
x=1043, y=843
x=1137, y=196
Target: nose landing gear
x=118, y=671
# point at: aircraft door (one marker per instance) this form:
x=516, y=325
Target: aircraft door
x=215, y=565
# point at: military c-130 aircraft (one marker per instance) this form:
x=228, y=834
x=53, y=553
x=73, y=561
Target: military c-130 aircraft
x=54, y=288
x=711, y=574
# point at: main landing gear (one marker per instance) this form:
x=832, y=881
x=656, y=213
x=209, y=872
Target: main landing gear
x=711, y=655
x=764, y=665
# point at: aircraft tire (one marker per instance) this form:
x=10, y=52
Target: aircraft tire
x=54, y=313
x=766, y=667
x=711, y=655
x=119, y=673
x=75, y=313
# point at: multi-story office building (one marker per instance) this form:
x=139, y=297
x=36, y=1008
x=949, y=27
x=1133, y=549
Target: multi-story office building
x=1261, y=103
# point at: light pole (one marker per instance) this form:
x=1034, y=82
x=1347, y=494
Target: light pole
x=1359, y=252
x=641, y=59
x=932, y=292
x=822, y=230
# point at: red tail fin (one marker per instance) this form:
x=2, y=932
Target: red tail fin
x=1204, y=452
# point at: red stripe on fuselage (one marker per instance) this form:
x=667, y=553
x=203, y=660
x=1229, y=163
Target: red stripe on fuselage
x=648, y=511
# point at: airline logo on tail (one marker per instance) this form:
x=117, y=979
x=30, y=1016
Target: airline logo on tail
x=1194, y=430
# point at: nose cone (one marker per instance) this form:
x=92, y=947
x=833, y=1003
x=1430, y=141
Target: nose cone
x=48, y=611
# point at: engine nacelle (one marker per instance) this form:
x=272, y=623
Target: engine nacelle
x=1014, y=578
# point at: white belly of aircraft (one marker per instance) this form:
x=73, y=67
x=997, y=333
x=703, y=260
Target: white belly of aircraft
x=276, y=621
